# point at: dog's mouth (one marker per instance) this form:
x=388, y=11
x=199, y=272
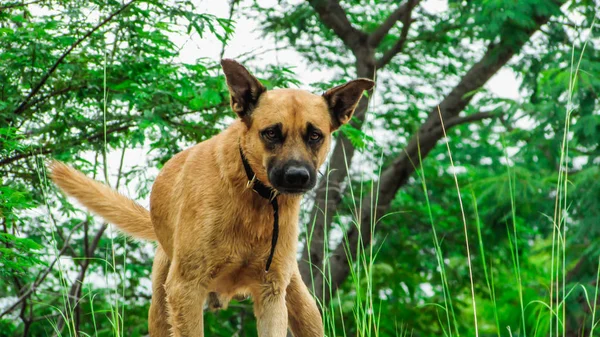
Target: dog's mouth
x=292, y=191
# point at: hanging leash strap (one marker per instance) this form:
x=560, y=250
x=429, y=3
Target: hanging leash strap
x=269, y=194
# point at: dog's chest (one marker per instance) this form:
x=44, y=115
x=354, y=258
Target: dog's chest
x=253, y=223
x=240, y=237
x=246, y=247
x=237, y=274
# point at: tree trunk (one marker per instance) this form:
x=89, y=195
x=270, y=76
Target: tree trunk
x=329, y=190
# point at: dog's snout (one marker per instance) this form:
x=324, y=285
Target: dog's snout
x=292, y=177
x=296, y=176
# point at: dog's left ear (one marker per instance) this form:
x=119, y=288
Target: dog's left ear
x=244, y=88
x=342, y=100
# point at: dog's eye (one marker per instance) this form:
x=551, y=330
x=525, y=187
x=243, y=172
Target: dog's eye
x=270, y=134
x=315, y=136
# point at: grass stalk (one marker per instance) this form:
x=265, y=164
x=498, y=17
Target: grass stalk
x=464, y=220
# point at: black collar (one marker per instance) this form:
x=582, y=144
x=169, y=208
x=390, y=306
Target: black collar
x=267, y=193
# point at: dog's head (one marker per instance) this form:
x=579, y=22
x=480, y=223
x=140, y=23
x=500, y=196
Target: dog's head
x=288, y=131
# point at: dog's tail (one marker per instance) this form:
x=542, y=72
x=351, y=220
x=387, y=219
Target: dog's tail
x=114, y=207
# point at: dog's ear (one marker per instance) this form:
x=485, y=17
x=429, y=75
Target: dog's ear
x=342, y=100
x=244, y=88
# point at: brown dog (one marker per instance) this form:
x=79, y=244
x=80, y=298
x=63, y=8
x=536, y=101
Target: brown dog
x=215, y=234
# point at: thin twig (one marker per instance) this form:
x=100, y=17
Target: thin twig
x=21, y=108
x=76, y=141
x=16, y=5
x=470, y=118
x=43, y=275
x=231, y=11
x=399, y=45
x=398, y=15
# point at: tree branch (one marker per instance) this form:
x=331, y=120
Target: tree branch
x=476, y=117
x=396, y=49
x=43, y=150
x=333, y=16
x=400, y=14
x=43, y=275
x=50, y=95
x=18, y=4
x=47, y=148
x=75, y=291
x=391, y=180
x=399, y=45
x=21, y=108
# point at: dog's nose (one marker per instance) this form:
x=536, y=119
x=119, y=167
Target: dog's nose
x=296, y=176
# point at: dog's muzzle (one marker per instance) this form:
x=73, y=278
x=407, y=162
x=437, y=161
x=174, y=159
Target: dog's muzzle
x=293, y=177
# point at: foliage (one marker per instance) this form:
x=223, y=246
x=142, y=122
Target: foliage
x=121, y=88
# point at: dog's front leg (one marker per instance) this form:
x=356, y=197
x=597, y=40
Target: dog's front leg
x=186, y=295
x=270, y=310
x=305, y=318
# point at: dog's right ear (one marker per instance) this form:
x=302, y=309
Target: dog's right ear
x=244, y=88
x=342, y=100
